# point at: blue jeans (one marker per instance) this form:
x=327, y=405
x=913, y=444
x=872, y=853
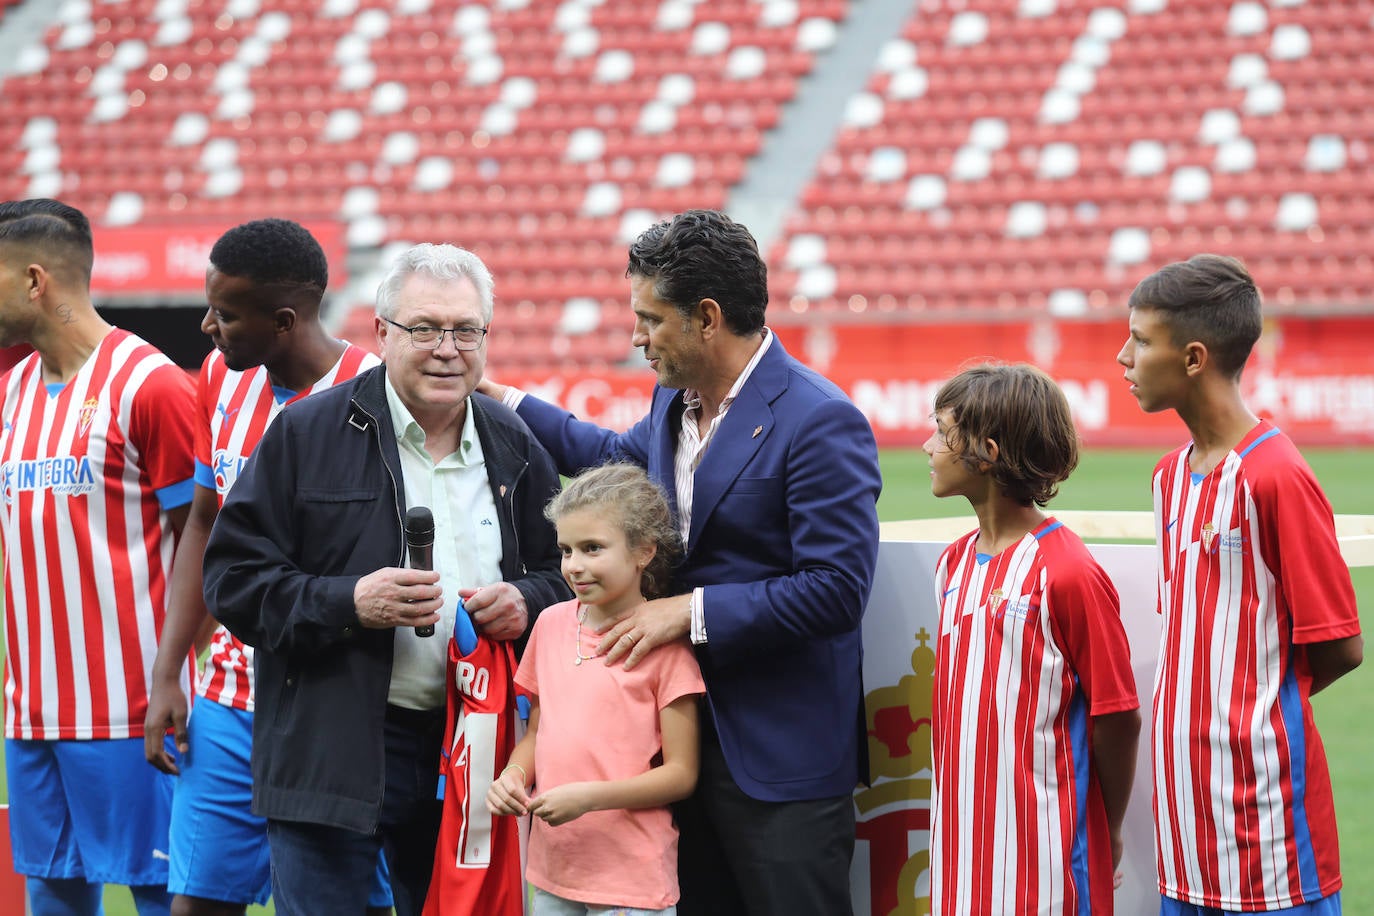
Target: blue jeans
x=318, y=869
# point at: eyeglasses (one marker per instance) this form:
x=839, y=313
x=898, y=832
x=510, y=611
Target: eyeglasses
x=423, y=337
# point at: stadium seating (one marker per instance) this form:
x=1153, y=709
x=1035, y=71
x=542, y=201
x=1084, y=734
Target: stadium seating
x=1013, y=157
x=541, y=135
x=1005, y=156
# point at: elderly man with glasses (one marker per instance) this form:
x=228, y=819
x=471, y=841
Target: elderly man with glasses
x=306, y=560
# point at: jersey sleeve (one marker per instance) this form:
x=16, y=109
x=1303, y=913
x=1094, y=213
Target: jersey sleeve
x=163, y=416
x=1087, y=610
x=205, y=405
x=678, y=675
x=1298, y=541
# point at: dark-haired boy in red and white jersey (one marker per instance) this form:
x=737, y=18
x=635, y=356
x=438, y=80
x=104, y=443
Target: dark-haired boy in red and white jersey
x=95, y=459
x=1034, y=713
x=1259, y=614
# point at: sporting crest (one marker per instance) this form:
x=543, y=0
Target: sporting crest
x=1209, y=536
x=87, y=414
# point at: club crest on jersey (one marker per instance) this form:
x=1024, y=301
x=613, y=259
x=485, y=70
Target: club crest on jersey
x=226, y=466
x=995, y=603
x=87, y=414
x=65, y=475
x=1209, y=535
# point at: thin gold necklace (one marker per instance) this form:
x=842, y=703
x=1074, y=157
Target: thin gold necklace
x=580, y=619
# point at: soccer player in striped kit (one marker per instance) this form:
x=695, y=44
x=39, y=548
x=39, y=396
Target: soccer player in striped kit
x=95, y=459
x=1034, y=714
x=1259, y=614
x=264, y=286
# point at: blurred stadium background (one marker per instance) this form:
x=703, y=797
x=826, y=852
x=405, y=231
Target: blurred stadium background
x=931, y=181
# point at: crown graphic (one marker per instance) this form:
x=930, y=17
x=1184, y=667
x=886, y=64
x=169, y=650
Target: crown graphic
x=895, y=810
x=1209, y=534
x=899, y=719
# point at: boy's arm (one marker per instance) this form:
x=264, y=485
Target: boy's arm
x=508, y=794
x=672, y=781
x=1114, y=748
x=1331, y=660
x=181, y=631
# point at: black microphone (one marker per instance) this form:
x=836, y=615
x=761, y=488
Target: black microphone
x=420, y=547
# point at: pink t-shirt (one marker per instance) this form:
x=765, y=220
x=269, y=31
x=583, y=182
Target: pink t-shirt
x=599, y=722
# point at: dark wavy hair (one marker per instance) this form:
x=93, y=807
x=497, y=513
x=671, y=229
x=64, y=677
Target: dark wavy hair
x=1209, y=298
x=703, y=254
x=57, y=230
x=1021, y=409
x=639, y=508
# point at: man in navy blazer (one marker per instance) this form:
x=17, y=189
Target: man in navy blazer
x=773, y=474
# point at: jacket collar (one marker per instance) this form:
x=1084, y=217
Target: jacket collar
x=368, y=407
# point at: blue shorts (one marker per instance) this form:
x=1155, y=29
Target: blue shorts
x=218, y=845
x=93, y=810
x=1327, y=906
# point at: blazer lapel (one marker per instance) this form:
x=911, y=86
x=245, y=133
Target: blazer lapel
x=662, y=467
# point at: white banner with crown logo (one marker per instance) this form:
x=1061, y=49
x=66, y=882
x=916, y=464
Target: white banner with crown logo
x=890, y=875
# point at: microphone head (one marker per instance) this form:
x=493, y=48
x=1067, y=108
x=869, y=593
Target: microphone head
x=419, y=526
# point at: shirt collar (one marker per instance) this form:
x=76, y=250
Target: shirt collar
x=692, y=398
x=408, y=429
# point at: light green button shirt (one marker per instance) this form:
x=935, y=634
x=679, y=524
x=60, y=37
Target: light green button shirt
x=467, y=545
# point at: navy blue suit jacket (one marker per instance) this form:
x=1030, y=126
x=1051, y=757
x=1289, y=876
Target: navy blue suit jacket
x=784, y=540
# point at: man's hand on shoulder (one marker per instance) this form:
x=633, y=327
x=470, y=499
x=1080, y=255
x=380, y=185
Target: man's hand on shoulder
x=492, y=390
x=650, y=625
x=498, y=610
x=395, y=597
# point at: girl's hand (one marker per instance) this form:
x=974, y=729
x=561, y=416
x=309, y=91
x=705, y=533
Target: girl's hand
x=507, y=794
x=563, y=803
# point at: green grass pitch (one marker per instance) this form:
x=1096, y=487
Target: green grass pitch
x=1107, y=480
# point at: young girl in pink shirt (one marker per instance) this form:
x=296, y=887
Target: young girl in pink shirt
x=607, y=749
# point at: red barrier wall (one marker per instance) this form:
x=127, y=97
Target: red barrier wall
x=169, y=261
x=1313, y=376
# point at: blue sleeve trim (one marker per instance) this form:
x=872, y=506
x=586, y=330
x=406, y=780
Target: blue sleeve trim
x=1251, y=447
x=205, y=476
x=177, y=495
x=463, y=632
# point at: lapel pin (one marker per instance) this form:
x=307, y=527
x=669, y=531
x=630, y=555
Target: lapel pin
x=503, y=489
x=757, y=430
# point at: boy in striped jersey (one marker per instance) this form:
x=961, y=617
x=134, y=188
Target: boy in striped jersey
x=264, y=286
x=1259, y=614
x=95, y=460
x=1034, y=714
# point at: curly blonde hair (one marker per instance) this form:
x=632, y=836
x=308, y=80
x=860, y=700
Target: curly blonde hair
x=639, y=508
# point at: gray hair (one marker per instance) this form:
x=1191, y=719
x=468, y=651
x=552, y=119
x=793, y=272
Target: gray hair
x=442, y=262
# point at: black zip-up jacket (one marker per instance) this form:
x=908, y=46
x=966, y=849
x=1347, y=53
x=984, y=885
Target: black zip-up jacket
x=318, y=506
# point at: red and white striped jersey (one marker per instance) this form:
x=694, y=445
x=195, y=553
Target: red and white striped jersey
x=1249, y=569
x=477, y=862
x=233, y=411
x=87, y=472
x=1031, y=648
